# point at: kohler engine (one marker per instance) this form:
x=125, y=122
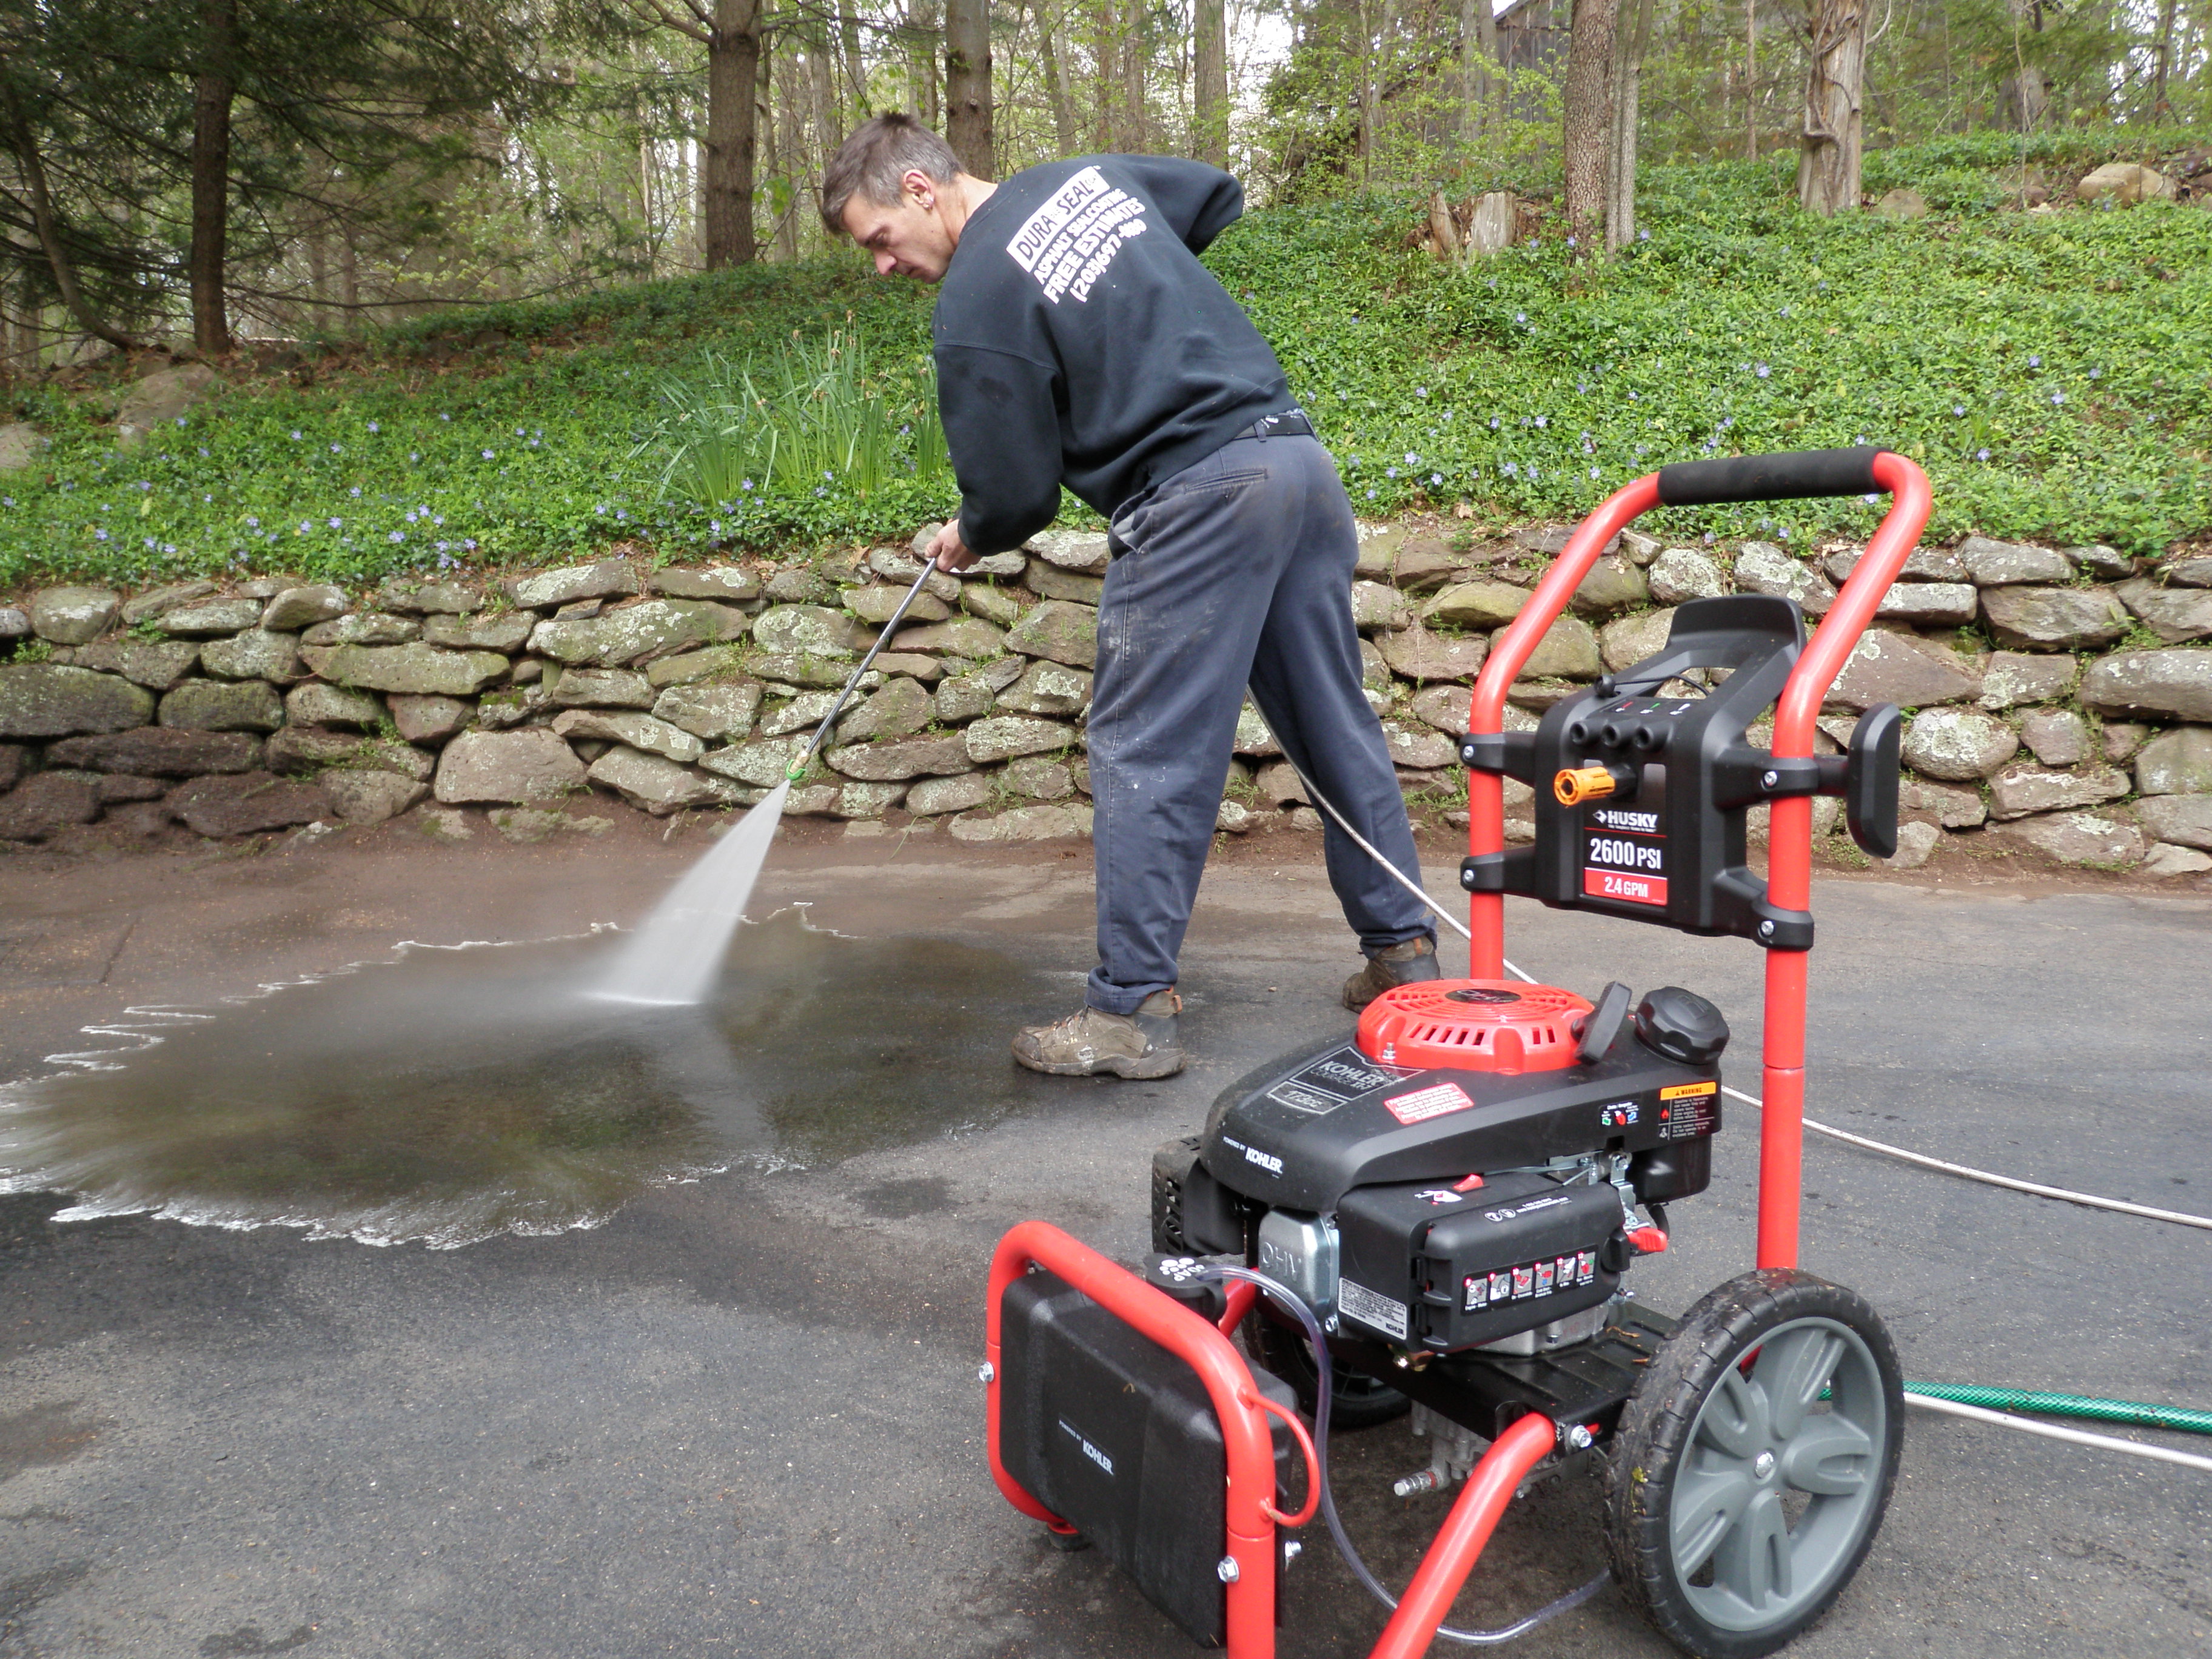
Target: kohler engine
x=1478, y=1170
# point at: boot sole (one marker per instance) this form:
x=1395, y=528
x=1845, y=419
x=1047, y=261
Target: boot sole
x=1141, y=1068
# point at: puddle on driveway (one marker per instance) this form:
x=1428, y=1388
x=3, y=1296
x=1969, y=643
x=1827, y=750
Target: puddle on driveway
x=456, y=1094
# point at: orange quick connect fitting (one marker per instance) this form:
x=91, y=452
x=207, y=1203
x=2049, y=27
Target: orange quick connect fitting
x=1576, y=785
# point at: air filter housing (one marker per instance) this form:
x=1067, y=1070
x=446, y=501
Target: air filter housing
x=1473, y=1025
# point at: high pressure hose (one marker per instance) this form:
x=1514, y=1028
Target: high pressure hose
x=1295, y=1305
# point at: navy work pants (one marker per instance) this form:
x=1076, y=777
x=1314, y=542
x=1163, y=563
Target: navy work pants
x=1236, y=570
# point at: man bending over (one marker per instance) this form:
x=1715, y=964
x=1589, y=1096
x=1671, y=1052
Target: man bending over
x=1079, y=341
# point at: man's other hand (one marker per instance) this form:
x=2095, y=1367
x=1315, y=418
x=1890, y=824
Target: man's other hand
x=948, y=551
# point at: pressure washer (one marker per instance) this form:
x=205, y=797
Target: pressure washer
x=1440, y=1213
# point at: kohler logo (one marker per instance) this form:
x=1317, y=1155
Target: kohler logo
x=1089, y=1450
x=1273, y=1166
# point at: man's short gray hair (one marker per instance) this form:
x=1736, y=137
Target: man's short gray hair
x=871, y=163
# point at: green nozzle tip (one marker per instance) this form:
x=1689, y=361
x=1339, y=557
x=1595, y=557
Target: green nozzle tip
x=794, y=773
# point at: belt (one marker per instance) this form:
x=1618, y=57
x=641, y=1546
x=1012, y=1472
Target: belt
x=1291, y=423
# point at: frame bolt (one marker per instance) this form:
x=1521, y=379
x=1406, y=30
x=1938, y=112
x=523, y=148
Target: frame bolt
x=1226, y=1572
x=984, y=1373
x=1292, y=1550
x=1768, y=779
x=1579, y=1439
x=1767, y=929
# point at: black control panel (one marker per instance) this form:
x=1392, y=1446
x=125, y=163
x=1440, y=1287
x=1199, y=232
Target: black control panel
x=1642, y=795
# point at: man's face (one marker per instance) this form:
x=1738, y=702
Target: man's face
x=907, y=239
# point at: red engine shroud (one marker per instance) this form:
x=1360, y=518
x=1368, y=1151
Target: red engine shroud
x=1473, y=1025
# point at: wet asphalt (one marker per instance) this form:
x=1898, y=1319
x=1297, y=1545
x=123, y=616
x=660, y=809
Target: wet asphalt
x=742, y=1417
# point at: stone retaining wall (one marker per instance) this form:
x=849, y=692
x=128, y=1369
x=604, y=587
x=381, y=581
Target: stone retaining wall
x=2060, y=703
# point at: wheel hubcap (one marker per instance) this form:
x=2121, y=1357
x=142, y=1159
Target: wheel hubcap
x=1777, y=1483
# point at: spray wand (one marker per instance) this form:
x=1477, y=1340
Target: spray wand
x=799, y=762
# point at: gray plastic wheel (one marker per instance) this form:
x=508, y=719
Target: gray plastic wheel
x=1754, y=1462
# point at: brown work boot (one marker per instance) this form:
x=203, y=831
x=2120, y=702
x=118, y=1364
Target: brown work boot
x=1085, y=1044
x=1393, y=964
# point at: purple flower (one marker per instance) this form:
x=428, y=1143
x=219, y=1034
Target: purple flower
x=305, y=526
x=254, y=523
x=470, y=543
x=338, y=524
x=1412, y=459
x=1390, y=471
x=2056, y=398
x=398, y=536
x=488, y=455
x=1493, y=423
x=1981, y=454
x=1512, y=469
x=334, y=449
x=1436, y=477
x=1645, y=236
x=2034, y=362
x=1543, y=420
x=1593, y=472
x=295, y=437
x=373, y=427
x=1760, y=371
x=99, y=534
x=1370, y=495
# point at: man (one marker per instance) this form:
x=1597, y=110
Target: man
x=1079, y=341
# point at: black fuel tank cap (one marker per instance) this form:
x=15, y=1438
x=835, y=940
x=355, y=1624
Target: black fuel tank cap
x=1681, y=1025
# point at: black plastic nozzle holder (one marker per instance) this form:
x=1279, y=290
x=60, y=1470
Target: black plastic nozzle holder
x=1670, y=850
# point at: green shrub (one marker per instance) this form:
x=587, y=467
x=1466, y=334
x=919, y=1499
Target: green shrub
x=2052, y=372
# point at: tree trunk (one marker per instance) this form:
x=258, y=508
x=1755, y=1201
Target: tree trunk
x=1750, y=80
x=213, y=86
x=1209, y=87
x=1134, y=135
x=967, y=85
x=1363, y=141
x=25, y=143
x=1478, y=57
x=733, y=64
x=922, y=61
x=1105, y=128
x=1835, y=77
x=2159, y=107
x=856, y=88
x=790, y=162
x=1632, y=40
x=1055, y=84
x=1586, y=128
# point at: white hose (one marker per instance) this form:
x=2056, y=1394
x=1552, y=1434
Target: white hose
x=2052, y=1432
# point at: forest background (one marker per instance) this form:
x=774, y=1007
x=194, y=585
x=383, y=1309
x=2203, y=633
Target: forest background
x=524, y=242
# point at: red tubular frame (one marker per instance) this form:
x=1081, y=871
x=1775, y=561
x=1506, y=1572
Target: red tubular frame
x=1251, y=1513
x=1789, y=836
x=1245, y=1435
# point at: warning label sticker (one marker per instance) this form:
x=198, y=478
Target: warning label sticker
x=1425, y=1103
x=1372, y=1308
x=1688, y=1111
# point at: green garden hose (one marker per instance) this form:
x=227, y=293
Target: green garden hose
x=2183, y=1419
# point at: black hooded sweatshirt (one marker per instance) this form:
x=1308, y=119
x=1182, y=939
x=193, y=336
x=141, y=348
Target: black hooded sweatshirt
x=1079, y=340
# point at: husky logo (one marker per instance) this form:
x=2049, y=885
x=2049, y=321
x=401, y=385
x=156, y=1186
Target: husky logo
x=1089, y=1450
x=1273, y=1166
x=1632, y=823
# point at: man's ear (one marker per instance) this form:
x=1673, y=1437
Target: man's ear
x=920, y=186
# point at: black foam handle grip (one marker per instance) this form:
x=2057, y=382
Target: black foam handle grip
x=1769, y=477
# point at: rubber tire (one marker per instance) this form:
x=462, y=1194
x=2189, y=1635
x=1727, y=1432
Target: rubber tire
x=1356, y=1401
x=1715, y=1336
